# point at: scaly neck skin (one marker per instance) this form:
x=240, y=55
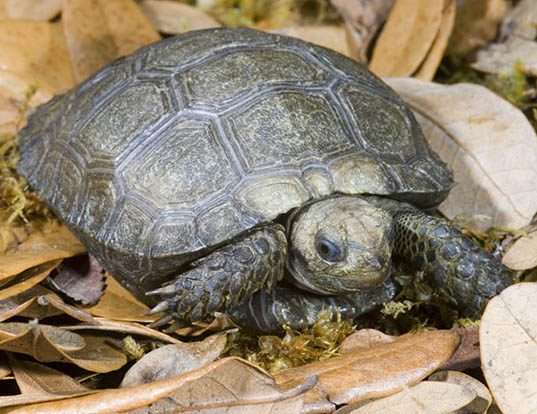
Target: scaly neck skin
x=340, y=245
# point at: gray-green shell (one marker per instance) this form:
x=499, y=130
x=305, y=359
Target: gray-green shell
x=198, y=138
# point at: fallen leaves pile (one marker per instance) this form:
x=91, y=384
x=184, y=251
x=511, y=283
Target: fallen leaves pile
x=73, y=340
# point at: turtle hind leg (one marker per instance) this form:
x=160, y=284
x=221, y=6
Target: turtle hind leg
x=452, y=262
x=225, y=277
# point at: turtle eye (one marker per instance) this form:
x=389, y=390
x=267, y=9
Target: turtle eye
x=329, y=250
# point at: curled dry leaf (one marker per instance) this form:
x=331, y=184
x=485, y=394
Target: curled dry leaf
x=52, y=243
x=35, y=54
x=522, y=255
x=489, y=144
x=381, y=370
x=229, y=383
x=508, y=336
x=467, y=355
x=129, y=26
x=28, y=304
x=483, y=399
x=428, y=397
x=41, y=10
x=364, y=339
x=517, y=46
x=173, y=18
x=406, y=38
x=172, y=360
x=363, y=18
x=329, y=36
x=432, y=61
x=119, y=304
x=27, y=279
x=80, y=278
x=476, y=24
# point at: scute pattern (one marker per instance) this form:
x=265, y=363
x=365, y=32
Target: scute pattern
x=193, y=140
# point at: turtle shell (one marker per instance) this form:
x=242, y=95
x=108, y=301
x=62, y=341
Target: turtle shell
x=196, y=139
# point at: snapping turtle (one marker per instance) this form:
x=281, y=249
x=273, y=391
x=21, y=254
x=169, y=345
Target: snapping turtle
x=205, y=168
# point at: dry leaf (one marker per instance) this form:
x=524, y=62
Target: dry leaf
x=119, y=304
x=173, y=18
x=363, y=19
x=406, y=37
x=90, y=42
x=428, y=397
x=41, y=10
x=129, y=26
x=80, y=278
x=489, y=144
x=522, y=255
x=329, y=36
x=28, y=279
x=476, y=24
x=467, y=355
x=431, y=63
x=518, y=46
x=52, y=243
x=384, y=369
x=35, y=53
x=483, y=398
x=508, y=336
x=364, y=339
x=172, y=360
x=229, y=382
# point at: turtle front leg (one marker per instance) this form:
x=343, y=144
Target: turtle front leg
x=452, y=262
x=269, y=312
x=226, y=277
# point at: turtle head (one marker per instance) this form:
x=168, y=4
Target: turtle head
x=340, y=244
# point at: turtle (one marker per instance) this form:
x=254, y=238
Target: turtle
x=238, y=171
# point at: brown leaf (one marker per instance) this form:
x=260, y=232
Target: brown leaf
x=40, y=10
x=406, y=37
x=27, y=279
x=54, y=242
x=364, y=339
x=489, y=144
x=381, y=370
x=363, y=19
x=90, y=42
x=172, y=360
x=467, y=355
x=128, y=25
x=221, y=322
x=508, y=336
x=431, y=63
x=173, y=18
x=329, y=36
x=483, y=398
x=476, y=24
x=522, y=255
x=224, y=384
x=119, y=304
x=80, y=278
x=35, y=53
x=428, y=397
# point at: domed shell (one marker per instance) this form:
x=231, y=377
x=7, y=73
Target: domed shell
x=195, y=139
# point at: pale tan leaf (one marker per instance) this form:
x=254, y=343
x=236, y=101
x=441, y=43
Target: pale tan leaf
x=35, y=52
x=129, y=26
x=329, y=36
x=90, y=42
x=28, y=279
x=428, y=397
x=363, y=19
x=483, y=399
x=172, y=360
x=40, y=10
x=476, y=24
x=364, y=339
x=52, y=243
x=429, y=66
x=221, y=386
x=381, y=370
x=173, y=18
x=406, y=37
x=522, y=255
x=489, y=144
x=508, y=336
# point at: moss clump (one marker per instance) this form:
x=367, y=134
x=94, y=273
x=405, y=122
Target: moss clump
x=275, y=353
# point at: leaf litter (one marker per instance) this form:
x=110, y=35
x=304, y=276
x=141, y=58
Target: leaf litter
x=90, y=34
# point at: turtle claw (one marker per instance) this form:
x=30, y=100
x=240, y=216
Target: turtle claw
x=167, y=290
x=166, y=319
x=160, y=307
